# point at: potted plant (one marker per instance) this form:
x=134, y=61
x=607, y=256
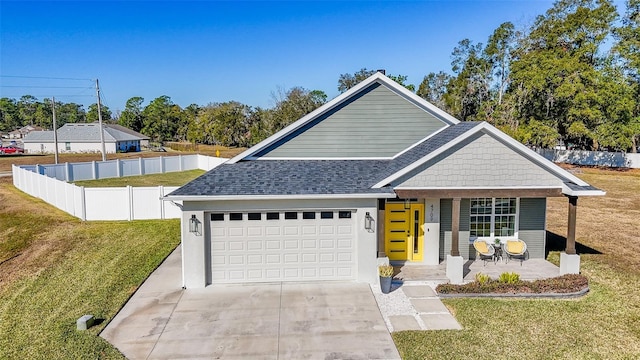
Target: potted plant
x=386, y=273
x=496, y=242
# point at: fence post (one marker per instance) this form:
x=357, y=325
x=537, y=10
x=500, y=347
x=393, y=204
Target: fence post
x=141, y=166
x=94, y=170
x=161, y=190
x=180, y=160
x=67, y=172
x=118, y=170
x=161, y=165
x=83, y=204
x=130, y=200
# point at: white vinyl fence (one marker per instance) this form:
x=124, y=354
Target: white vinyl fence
x=596, y=158
x=48, y=182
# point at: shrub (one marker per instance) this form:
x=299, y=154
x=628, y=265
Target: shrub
x=509, y=278
x=385, y=270
x=482, y=278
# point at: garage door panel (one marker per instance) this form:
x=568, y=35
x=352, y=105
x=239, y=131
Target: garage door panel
x=291, y=244
x=236, y=231
x=291, y=230
x=327, y=230
x=261, y=250
x=273, y=258
x=309, y=243
x=255, y=259
x=272, y=230
x=345, y=243
x=291, y=258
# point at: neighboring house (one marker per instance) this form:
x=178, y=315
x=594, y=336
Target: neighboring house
x=144, y=140
x=376, y=174
x=23, y=131
x=81, y=138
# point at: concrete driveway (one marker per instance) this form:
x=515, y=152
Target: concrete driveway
x=328, y=320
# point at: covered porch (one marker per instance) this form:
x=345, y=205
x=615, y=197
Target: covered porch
x=531, y=269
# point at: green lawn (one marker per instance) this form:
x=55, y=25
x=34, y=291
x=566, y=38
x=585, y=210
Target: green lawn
x=167, y=179
x=57, y=273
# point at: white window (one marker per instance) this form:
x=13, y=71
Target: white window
x=494, y=217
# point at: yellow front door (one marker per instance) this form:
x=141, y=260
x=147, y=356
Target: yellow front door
x=404, y=231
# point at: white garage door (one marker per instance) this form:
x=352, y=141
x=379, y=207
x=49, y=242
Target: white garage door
x=282, y=246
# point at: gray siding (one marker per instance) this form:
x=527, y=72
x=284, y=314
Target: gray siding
x=481, y=161
x=466, y=249
x=532, y=225
x=379, y=123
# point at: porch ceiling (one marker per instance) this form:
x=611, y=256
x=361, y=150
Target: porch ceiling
x=472, y=193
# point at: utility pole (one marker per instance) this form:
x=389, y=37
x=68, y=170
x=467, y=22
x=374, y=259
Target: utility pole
x=55, y=129
x=104, y=154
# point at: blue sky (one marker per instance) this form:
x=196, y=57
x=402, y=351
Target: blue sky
x=208, y=51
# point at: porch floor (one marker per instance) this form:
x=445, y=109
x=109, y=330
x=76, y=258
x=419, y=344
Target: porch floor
x=531, y=269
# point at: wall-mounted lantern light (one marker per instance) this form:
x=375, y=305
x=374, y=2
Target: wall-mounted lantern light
x=407, y=204
x=194, y=225
x=368, y=222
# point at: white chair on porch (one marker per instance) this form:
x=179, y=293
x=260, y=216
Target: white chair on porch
x=484, y=251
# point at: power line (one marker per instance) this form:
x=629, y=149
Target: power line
x=45, y=77
x=45, y=87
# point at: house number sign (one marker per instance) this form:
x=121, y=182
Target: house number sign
x=431, y=213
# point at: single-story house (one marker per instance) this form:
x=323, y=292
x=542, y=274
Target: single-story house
x=376, y=174
x=144, y=139
x=81, y=138
x=23, y=131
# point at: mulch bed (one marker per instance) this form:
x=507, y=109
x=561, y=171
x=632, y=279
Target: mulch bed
x=570, y=285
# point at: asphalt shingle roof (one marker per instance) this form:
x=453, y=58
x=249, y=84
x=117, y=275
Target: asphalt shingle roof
x=80, y=133
x=306, y=177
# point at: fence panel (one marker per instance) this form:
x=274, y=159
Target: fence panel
x=81, y=171
x=106, y=169
x=106, y=203
x=130, y=167
x=152, y=166
x=592, y=158
x=173, y=163
x=146, y=203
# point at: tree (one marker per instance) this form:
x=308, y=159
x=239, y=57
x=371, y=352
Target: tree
x=92, y=114
x=628, y=48
x=9, y=117
x=161, y=119
x=347, y=81
x=230, y=123
x=433, y=88
x=131, y=116
x=557, y=65
x=471, y=84
x=498, y=52
x=289, y=106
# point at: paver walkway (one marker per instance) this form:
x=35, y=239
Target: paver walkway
x=414, y=306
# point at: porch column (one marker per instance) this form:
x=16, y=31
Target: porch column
x=455, y=227
x=455, y=262
x=571, y=228
x=569, y=260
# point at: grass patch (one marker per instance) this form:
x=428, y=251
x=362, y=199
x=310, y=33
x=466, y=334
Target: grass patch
x=604, y=324
x=68, y=269
x=167, y=179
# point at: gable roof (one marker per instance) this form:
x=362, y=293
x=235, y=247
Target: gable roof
x=80, y=132
x=377, y=78
x=308, y=179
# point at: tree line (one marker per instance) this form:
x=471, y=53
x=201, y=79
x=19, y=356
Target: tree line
x=573, y=77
